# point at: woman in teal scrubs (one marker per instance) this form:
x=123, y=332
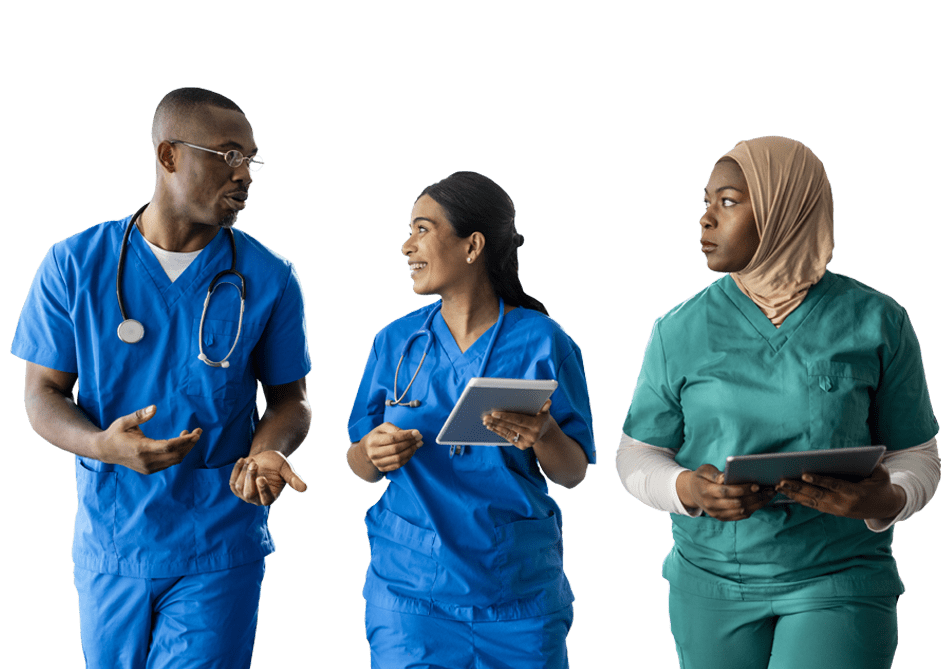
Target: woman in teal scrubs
x=466, y=544
x=780, y=355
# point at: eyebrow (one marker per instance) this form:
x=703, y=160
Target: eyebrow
x=725, y=188
x=235, y=145
x=424, y=218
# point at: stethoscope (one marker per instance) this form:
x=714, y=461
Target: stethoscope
x=427, y=331
x=131, y=331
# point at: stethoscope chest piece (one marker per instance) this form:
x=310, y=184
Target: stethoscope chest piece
x=131, y=331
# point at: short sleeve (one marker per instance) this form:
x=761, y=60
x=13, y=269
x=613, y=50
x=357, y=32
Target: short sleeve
x=368, y=405
x=901, y=414
x=655, y=416
x=281, y=355
x=45, y=333
x=570, y=405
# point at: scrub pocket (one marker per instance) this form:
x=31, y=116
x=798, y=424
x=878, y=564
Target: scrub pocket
x=840, y=396
x=401, y=554
x=222, y=520
x=96, y=512
x=220, y=383
x=528, y=553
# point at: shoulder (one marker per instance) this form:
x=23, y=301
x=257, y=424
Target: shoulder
x=254, y=254
x=695, y=307
x=858, y=302
x=534, y=328
x=91, y=242
x=404, y=326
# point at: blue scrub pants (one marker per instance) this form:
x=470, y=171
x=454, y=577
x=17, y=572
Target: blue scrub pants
x=828, y=632
x=407, y=641
x=205, y=620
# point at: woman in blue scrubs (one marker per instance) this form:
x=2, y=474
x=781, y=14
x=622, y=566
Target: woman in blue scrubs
x=466, y=544
x=780, y=355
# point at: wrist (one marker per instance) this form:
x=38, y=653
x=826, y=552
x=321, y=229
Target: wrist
x=683, y=489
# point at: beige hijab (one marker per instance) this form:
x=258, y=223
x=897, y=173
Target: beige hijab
x=793, y=211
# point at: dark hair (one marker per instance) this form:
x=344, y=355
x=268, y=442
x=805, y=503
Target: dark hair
x=181, y=99
x=474, y=203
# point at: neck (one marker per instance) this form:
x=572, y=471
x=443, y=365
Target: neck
x=468, y=314
x=171, y=233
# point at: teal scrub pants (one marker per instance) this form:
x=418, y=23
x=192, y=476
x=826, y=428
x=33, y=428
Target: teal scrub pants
x=204, y=620
x=408, y=641
x=828, y=632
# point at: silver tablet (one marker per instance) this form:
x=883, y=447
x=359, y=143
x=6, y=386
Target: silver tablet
x=483, y=395
x=769, y=469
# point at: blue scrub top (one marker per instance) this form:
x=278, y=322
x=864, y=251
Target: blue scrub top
x=184, y=519
x=719, y=379
x=473, y=536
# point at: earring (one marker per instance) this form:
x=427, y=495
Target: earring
x=469, y=259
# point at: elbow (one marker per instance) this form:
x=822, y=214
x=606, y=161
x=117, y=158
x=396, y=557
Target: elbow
x=574, y=479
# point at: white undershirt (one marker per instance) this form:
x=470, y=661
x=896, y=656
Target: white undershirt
x=174, y=263
x=650, y=474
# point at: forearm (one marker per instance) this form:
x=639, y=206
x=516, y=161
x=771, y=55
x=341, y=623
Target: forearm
x=283, y=427
x=56, y=417
x=651, y=474
x=560, y=457
x=361, y=465
x=916, y=470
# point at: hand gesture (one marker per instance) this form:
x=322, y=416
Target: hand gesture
x=519, y=429
x=123, y=443
x=704, y=488
x=260, y=478
x=872, y=498
x=388, y=448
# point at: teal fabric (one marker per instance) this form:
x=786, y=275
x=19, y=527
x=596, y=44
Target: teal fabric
x=720, y=379
x=833, y=633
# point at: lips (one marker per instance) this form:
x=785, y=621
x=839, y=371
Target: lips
x=236, y=200
x=416, y=267
x=707, y=246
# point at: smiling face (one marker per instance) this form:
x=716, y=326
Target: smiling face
x=205, y=188
x=437, y=257
x=729, y=235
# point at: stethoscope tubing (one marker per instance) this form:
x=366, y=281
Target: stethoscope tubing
x=131, y=331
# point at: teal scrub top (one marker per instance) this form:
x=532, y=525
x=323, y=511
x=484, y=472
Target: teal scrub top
x=719, y=379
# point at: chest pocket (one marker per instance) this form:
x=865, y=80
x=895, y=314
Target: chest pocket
x=840, y=396
x=220, y=383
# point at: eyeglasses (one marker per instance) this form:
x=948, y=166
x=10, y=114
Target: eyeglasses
x=232, y=158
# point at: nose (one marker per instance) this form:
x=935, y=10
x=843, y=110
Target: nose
x=408, y=246
x=242, y=173
x=707, y=220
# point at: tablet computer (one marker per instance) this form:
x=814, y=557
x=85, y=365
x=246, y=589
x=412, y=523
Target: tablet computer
x=768, y=469
x=483, y=395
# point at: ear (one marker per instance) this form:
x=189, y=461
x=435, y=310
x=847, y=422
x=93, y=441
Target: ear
x=477, y=242
x=166, y=156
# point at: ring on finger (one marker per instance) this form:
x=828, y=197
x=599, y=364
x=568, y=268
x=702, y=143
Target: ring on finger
x=516, y=438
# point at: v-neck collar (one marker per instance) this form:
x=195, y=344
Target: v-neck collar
x=774, y=336
x=169, y=290
x=459, y=359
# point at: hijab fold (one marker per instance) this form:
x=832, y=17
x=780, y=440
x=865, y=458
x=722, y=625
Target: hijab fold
x=793, y=212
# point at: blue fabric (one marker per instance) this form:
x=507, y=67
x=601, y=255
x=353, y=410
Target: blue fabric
x=183, y=520
x=202, y=621
x=719, y=379
x=473, y=536
x=409, y=641
x=828, y=632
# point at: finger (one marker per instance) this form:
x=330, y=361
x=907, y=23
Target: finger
x=512, y=420
x=265, y=496
x=292, y=478
x=249, y=489
x=136, y=418
x=235, y=473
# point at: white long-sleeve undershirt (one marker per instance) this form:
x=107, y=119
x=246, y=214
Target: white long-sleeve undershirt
x=650, y=474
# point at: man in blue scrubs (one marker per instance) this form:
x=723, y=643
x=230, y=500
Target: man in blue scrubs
x=175, y=470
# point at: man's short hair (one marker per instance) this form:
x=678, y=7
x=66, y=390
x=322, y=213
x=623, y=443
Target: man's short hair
x=183, y=102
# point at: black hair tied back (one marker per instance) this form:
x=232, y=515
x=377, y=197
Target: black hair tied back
x=474, y=203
